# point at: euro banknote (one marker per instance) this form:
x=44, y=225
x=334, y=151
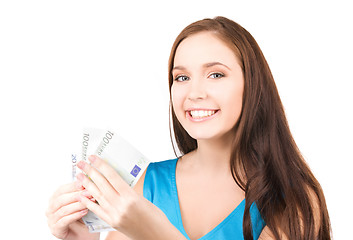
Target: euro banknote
x=121, y=155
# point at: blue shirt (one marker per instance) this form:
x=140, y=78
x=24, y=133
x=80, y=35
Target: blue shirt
x=160, y=189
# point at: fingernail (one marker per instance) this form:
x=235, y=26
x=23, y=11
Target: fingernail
x=81, y=164
x=92, y=158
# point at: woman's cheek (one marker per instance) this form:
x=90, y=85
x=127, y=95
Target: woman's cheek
x=177, y=98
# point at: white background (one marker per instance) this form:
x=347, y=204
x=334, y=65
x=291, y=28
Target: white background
x=65, y=65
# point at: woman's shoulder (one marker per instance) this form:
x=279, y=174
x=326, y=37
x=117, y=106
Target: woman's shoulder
x=153, y=171
x=161, y=165
x=170, y=165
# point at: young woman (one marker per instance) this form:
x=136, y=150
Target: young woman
x=240, y=174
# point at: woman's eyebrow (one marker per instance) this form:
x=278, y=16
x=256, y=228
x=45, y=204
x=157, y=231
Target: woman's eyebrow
x=206, y=65
x=178, y=68
x=211, y=64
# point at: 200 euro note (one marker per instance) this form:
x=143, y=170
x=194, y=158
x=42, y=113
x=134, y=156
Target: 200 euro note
x=122, y=156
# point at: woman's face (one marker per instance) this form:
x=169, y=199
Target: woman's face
x=208, y=86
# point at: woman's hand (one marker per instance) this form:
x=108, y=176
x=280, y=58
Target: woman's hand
x=65, y=211
x=120, y=206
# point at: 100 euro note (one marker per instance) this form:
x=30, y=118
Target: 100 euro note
x=122, y=156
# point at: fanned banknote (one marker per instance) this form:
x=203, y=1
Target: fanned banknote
x=122, y=156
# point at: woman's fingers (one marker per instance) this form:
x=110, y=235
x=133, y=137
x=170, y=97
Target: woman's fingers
x=67, y=210
x=101, y=195
x=116, y=200
x=94, y=207
x=110, y=174
x=67, y=188
x=99, y=187
x=64, y=195
x=59, y=228
x=68, y=219
x=63, y=200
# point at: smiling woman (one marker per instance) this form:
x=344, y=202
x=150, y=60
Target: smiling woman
x=263, y=157
x=240, y=174
x=212, y=79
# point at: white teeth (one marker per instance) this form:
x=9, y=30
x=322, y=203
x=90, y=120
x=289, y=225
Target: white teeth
x=201, y=113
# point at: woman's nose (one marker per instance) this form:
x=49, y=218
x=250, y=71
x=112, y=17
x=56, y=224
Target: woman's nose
x=197, y=90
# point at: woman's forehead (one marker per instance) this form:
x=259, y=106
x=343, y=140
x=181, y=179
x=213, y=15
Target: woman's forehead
x=202, y=48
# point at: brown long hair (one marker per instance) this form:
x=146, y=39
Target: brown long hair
x=265, y=160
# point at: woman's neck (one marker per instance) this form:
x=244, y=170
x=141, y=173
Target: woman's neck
x=213, y=154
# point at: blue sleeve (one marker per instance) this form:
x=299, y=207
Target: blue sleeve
x=148, y=186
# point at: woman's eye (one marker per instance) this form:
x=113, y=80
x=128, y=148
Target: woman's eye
x=181, y=78
x=216, y=75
